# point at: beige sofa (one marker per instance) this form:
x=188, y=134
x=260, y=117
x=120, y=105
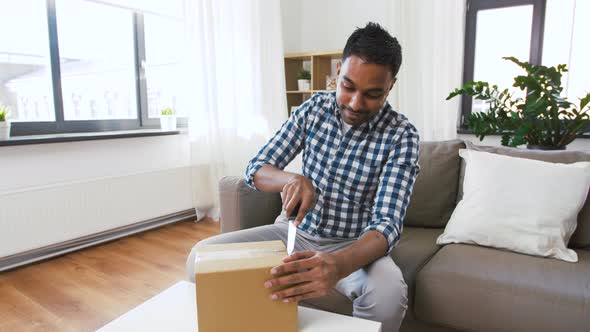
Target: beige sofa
x=457, y=287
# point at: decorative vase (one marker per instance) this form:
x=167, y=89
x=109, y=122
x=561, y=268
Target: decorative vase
x=545, y=148
x=303, y=85
x=4, y=130
x=168, y=122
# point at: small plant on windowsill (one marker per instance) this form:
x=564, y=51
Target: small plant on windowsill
x=167, y=111
x=4, y=123
x=542, y=120
x=168, y=119
x=303, y=80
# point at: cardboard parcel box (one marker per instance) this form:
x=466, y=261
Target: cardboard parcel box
x=230, y=288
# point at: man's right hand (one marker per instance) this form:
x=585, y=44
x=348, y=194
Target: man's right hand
x=298, y=191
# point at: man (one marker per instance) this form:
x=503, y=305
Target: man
x=360, y=161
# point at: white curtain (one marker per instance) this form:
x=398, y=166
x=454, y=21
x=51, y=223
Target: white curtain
x=234, y=88
x=431, y=33
x=168, y=8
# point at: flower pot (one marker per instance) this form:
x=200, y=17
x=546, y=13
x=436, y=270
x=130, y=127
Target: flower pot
x=303, y=85
x=168, y=122
x=545, y=148
x=4, y=130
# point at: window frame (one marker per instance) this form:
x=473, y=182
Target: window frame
x=536, y=46
x=60, y=126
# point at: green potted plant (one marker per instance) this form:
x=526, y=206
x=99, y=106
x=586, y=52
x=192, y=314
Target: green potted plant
x=4, y=123
x=303, y=80
x=168, y=119
x=542, y=120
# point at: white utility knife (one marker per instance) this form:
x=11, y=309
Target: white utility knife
x=291, y=236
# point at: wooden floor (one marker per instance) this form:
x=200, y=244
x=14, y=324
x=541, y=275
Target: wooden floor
x=84, y=290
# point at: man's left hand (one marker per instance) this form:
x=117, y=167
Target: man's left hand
x=310, y=274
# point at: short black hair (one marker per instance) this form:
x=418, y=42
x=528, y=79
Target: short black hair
x=375, y=45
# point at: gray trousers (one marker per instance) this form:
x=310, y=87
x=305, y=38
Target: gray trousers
x=378, y=291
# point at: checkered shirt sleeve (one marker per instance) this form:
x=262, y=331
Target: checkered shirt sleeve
x=395, y=187
x=283, y=146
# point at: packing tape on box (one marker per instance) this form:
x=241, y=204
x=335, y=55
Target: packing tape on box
x=233, y=254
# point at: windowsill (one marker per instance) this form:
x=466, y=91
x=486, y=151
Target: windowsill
x=464, y=131
x=469, y=132
x=76, y=137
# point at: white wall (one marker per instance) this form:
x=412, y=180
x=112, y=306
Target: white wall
x=51, y=193
x=311, y=26
x=291, y=21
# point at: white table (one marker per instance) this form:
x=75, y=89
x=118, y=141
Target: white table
x=175, y=309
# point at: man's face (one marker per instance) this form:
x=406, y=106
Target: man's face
x=362, y=89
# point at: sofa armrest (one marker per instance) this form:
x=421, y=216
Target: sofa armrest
x=242, y=207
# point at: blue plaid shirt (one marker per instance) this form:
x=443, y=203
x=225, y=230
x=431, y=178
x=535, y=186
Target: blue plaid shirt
x=363, y=177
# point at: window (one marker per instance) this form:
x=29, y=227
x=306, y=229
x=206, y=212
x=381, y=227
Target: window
x=548, y=32
x=162, y=62
x=86, y=66
x=25, y=70
x=97, y=67
x=495, y=41
x=566, y=41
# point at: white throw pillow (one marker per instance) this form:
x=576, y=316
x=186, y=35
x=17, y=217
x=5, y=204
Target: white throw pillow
x=523, y=205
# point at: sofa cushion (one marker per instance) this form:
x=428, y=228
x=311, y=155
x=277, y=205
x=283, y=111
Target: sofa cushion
x=506, y=205
x=482, y=289
x=581, y=237
x=435, y=190
x=415, y=248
